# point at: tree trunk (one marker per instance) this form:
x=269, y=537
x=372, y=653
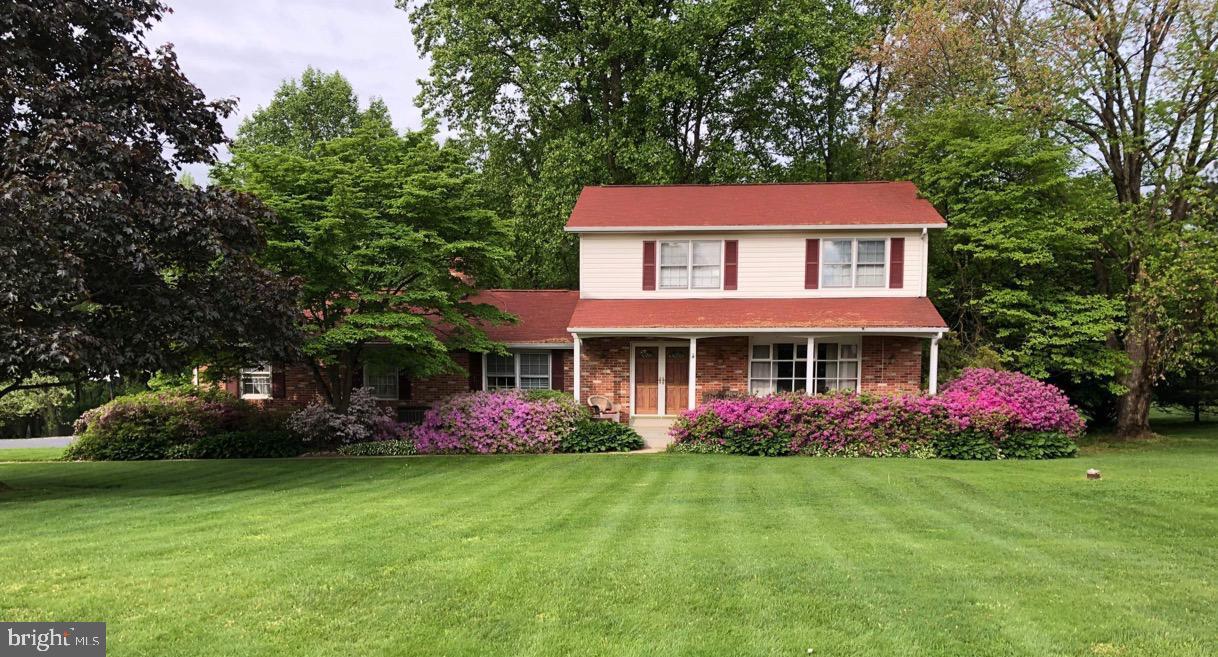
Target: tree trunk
x=1133, y=411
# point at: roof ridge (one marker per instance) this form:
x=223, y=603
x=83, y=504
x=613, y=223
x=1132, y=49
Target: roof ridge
x=760, y=184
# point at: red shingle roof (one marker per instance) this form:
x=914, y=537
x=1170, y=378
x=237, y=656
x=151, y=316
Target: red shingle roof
x=868, y=312
x=762, y=205
x=543, y=314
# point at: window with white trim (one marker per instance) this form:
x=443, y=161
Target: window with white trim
x=778, y=367
x=854, y=262
x=382, y=380
x=255, y=382
x=691, y=264
x=529, y=370
x=836, y=367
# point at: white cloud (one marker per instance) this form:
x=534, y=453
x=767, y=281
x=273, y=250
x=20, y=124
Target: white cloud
x=246, y=48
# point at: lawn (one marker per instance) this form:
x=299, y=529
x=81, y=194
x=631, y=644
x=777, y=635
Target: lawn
x=31, y=454
x=625, y=555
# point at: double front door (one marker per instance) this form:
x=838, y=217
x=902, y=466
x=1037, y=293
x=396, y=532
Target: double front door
x=661, y=379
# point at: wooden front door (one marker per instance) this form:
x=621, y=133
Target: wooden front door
x=647, y=380
x=676, y=380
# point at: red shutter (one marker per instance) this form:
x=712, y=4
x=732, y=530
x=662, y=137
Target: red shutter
x=403, y=385
x=557, y=357
x=730, y=256
x=649, y=265
x=279, y=381
x=811, y=264
x=896, y=263
x=475, y=371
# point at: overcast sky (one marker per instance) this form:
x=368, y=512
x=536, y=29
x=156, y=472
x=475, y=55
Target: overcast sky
x=245, y=48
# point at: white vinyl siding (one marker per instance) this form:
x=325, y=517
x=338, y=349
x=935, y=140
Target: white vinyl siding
x=769, y=265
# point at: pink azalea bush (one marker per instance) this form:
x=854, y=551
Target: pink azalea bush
x=503, y=421
x=984, y=414
x=1007, y=402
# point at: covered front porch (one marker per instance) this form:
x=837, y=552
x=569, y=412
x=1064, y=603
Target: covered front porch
x=654, y=376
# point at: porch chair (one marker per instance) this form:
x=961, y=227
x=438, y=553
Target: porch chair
x=603, y=408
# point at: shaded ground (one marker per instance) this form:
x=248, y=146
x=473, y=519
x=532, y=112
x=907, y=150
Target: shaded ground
x=625, y=555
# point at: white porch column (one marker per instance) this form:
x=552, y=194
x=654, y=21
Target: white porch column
x=810, y=375
x=575, y=367
x=934, y=365
x=693, y=365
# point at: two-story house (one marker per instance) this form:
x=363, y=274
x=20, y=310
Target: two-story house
x=691, y=291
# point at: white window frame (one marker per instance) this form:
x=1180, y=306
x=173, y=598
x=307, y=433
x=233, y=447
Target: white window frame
x=515, y=355
x=771, y=380
x=854, y=261
x=689, y=265
x=811, y=360
x=258, y=370
x=396, y=390
x=857, y=360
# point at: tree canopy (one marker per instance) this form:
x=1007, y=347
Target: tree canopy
x=387, y=235
x=107, y=263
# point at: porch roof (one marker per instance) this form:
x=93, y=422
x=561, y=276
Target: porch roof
x=900, y=314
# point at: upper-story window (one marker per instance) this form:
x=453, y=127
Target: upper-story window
x=853, y=263
x=686, y=264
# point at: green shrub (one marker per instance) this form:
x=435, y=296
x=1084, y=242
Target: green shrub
x=162, y=424
x=1037, y=445
x=379, y=448
x=241, y=445
x=965, y=445
x=600, y=436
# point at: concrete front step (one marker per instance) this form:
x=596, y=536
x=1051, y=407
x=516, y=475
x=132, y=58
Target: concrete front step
x=654, y=430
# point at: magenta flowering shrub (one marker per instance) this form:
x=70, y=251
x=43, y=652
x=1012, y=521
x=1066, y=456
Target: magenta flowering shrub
x=1007, y=402
x=503, y=421
x=831, y=425
x=984, y=414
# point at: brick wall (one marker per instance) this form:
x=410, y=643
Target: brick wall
x=891, y=365
x=605, y=370
x=723, y=366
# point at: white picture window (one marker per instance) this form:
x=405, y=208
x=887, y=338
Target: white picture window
x=778, y=367
x=687, y=264
x=836, y=367
x=256, y=382
x=383, y=381
x=529, y=370
x=854, y=263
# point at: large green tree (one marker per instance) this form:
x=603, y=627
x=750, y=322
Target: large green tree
x=386, y=235
x=1014, y=268
x=305, y=112
x=107, y=264
x=1132, y=86
x=553, y=96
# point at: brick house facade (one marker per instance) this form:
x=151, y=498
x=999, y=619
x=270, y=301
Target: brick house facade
x=688, y=292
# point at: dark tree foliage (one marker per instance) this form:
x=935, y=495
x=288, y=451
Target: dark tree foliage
x=107, y=263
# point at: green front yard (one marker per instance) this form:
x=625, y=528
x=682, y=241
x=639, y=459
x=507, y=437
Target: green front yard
x=625, y=555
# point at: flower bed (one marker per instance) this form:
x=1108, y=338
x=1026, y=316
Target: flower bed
x=503, y=421
x=982, y=415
